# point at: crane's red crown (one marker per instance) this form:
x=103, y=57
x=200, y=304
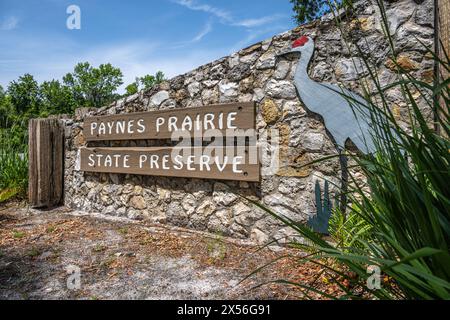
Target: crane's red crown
x=300, y=42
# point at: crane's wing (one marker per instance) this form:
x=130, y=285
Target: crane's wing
x=355, y=100
x=362, y=136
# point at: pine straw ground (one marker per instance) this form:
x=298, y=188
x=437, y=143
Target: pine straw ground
x=122, y=259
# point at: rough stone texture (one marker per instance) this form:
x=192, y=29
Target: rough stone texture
x=269, y=111
x=256, y=74
x=281, y=89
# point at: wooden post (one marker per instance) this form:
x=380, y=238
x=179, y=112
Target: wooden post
x=46, y=162
x=442, y=48
x=444, y=30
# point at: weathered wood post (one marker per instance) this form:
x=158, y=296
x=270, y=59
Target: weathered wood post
x=442, y=48
x=444, y=30
x=46, y=162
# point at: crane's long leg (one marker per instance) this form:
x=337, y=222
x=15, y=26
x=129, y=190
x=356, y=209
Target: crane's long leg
x=343, y=160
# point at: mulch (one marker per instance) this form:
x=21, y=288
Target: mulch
x=36, y=245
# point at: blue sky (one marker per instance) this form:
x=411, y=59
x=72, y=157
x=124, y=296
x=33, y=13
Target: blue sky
x=140, y=37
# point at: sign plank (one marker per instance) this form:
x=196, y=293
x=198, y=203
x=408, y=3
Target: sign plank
x=219, y=163
x=229, y=119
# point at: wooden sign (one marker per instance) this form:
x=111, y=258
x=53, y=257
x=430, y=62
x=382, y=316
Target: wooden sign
x=228, y=119
x=219, y=163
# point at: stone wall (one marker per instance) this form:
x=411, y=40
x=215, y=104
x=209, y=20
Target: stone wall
x=255, y=74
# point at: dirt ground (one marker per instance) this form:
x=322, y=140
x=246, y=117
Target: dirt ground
x=43, y=254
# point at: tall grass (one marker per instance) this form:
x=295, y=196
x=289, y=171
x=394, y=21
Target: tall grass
x=404, y=202
x=13, y=163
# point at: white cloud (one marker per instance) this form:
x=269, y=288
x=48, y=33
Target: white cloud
x=206, y=29
x=9, y=23
x=251, y=23
x=53, y=59
x=140, y=58
x=52, y=56
x=252, y=36
x=193, y=5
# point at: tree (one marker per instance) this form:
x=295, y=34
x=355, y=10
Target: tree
x=132, y=88
x=6, y=109
x=149, y=81
x=24, y=95
x=93, y=87
x=2, y=98
x=160, y=77
x=56, y=98
x=144, y=83
x=308, y=10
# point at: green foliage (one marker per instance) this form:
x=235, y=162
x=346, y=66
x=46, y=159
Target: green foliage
x=148, y=81
x=13, y=163
x=93, y=87
x=320, y=221
x=348, y=229
x=404, y=205
x=24, y=95
x=6, y=111
x=18, y=234
x=24, y=99
x=144, y=83
x=8, y=194
x=56, y=99
x=217, y=249
x=85, y=86
x=131, y=88
x=308, y=10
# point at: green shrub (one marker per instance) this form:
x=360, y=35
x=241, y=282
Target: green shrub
x=348, y=230
x=405, y=203
x=13, y=163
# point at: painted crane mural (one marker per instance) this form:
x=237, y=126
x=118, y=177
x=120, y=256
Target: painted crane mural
x=343, y=120
x=344, y=114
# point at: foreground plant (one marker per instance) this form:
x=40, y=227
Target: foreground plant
x=13, y=164
x=404, y=204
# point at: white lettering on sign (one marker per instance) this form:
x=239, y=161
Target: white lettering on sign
x=154, y=161
x=197, y=162
x=141, y=126
x=142, y=159
x=109, y=161
x=229, y=155
x=162, y=124
x=187, y=124
x=173, y=123
x=178, y=162
x=236, y=162
x=231, y=117
x=118, y=127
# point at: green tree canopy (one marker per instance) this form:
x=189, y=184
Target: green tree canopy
x=149, y=81
x=86, y=86
x=6, y=109
x=56, y=98
x=145, y=82
x=24, y=95
x=93, y=87
x=308, y=10
x=132, y=88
